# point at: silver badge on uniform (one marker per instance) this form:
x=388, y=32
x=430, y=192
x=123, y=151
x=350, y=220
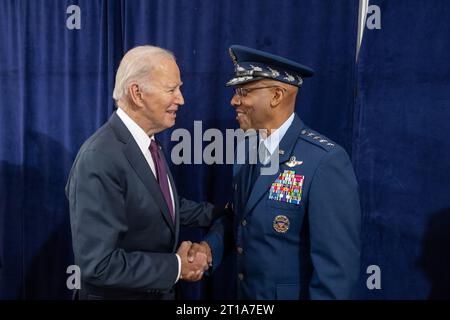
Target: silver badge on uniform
x=293, y=162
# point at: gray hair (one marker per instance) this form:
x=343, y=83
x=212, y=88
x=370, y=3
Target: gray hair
x=136, y=66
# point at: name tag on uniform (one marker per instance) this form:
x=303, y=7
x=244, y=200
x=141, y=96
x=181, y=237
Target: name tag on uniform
x=287, y=187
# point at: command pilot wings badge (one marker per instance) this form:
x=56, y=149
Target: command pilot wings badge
x=293, y=162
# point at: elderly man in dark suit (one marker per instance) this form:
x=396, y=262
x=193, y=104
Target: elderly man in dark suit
x=124, y=207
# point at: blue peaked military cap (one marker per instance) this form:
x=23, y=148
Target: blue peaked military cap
x=251, y=65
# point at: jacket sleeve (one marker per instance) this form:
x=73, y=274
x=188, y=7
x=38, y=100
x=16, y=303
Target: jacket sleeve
x=98, y=220
x=220, y=237
x=197, y=214
x=334, y=220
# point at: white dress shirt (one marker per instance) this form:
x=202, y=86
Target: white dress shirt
x=143, y=141
x=272, y=141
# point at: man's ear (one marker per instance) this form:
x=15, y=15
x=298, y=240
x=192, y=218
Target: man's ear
x=135, y=94
x=278, y=95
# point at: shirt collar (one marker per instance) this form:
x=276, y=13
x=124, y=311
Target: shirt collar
x=139, y=135
x=272, y=141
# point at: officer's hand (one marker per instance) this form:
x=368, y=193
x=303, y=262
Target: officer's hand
x=191, y=270
x=201, y=247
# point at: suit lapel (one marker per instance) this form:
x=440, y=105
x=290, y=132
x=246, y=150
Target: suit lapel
x=264, y=182
x=240, y=181
x=140, y=166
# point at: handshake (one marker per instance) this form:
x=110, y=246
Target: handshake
x=196, y=258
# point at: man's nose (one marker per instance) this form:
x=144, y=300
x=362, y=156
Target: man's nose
x=179, y=99
x=235, y=100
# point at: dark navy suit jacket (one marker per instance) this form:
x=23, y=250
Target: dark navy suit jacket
x=123, y=236
x=318, y=256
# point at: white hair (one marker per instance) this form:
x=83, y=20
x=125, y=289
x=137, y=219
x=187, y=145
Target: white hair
x=136, y=66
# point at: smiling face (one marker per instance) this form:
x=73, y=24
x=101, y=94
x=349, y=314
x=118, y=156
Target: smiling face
x=254, y=111
x=162, y=97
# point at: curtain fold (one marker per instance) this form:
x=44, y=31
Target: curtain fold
x=402, y=151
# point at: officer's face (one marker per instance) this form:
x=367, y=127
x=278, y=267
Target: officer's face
x=163, y=96
x=252, y=105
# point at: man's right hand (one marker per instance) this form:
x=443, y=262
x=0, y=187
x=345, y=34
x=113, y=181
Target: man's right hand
x=197, y=248
x=191, y=270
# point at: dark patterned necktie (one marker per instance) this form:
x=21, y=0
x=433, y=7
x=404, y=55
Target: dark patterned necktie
x=161, y=174
x=255, y=169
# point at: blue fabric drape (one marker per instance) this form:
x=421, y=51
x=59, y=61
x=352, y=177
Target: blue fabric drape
x=56, y=86
x=402, y=151
x=56, y=89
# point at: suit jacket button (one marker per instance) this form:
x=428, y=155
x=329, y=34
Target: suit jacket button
x=244, y=222
x=241, y=276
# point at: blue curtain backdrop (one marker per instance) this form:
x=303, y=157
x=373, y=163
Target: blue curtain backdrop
x=402, y=149
x=56, y=87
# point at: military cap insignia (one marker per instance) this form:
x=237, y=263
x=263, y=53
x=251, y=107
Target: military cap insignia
x=239, y=68
x=289, y=77
x=256, y=68
x=287, y=187
x=281, y=223
x=239, y=79
x=275, y=73
x=293, y=162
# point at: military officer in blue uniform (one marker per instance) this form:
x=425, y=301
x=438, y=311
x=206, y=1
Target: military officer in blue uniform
x=295, y=231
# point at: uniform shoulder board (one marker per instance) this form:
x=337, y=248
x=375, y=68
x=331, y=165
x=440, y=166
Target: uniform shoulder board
x=317, y=139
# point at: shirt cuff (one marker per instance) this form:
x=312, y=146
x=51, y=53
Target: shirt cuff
x=179, y=267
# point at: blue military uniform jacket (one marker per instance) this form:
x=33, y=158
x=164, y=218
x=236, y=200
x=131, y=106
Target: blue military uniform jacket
x=296, y=235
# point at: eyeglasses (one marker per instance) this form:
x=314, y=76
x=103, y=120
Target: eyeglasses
x=242, y=92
